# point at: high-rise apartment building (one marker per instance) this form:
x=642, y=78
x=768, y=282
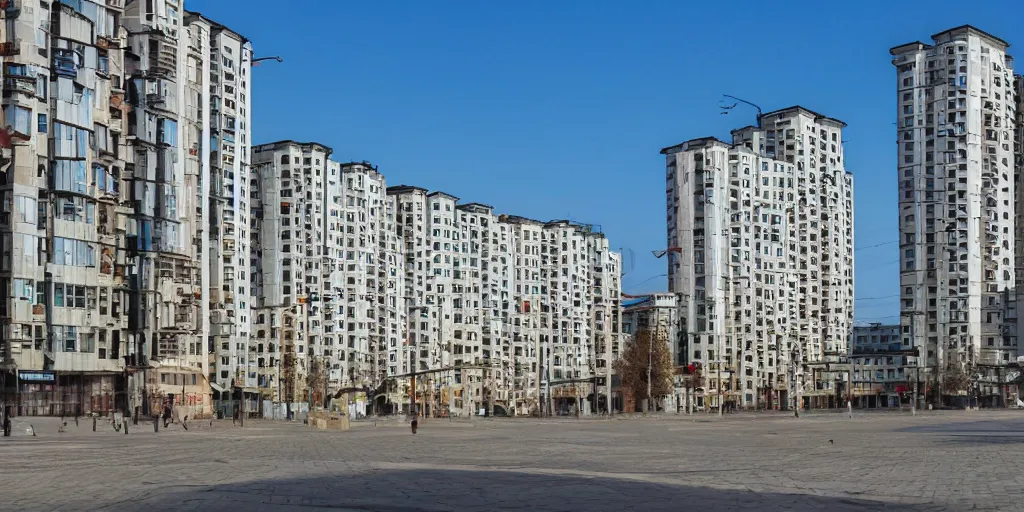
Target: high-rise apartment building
x=63, y=272
x=92, y=94
x=151, y=255
x=162, y=245
x=216, y=141
x=761, y=232
x=324, y=273
x=956, y=118
x=503, y=311
x=288, y=241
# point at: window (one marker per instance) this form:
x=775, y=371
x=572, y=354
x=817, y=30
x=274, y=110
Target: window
x=23, y=289
x=41, y=121
x=74, y=209
x=78, y=253
x=25, y=209
x=20, y=119
x=65, y=337
x=104, y=179
x=70, y=175
x=167, y=131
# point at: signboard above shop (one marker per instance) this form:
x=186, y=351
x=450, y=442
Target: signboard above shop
x=36, y=376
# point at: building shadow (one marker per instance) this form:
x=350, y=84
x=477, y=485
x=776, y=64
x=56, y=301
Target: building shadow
x=435, y=490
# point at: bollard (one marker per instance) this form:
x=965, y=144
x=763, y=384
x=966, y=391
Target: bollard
x=156, y=423
x=94, y=423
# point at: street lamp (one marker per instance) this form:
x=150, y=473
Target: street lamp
x=256, y=62
x=726, y=109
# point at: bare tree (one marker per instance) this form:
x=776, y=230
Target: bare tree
x=316, y=381
x=958, y=379
x=645, y=357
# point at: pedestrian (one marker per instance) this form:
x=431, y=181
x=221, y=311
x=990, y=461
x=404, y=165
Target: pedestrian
x=234, y=416
x=184, y=422
x=167, y=414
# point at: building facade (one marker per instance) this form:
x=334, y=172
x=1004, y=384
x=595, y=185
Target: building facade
x=64, y=226
x=760, y=232
x=138, y=158
x=957, y=123
x=217, y=142
x=884, y=366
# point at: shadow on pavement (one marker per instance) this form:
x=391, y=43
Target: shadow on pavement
x=980, y=426
x=456, y=490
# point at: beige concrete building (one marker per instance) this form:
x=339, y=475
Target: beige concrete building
x=957, y=121
x=763, y=231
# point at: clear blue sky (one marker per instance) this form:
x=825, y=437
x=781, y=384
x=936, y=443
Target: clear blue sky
x=558, y=109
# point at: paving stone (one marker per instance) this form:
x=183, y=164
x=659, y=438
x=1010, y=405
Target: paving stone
x=892, y=462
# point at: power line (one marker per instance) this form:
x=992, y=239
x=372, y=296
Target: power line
x=632, y=286
x=879, y=297
x=875, y=317
x=876, y=245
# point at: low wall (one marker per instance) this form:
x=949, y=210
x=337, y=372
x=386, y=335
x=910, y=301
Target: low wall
x=328, y=421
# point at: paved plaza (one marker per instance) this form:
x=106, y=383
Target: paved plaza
x=884, y=461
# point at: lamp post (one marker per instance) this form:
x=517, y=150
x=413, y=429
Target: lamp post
x=726, y=109
x=256, y=61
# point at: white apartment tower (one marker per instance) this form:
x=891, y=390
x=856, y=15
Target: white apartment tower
x=217, y=143
x=503, y=311
x=289, y=181
x=163, y=242
x=762, y=232
x=361, y=261
x=527, y=330
x=483, y=305
x=325, y=270
x=956, y=122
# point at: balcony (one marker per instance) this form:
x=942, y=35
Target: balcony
x=11, y=8
x=65, y=64
x=163, y=57
x=10, y=48
x=23, y=84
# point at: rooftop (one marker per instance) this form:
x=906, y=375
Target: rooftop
x=968, y=29
x=215, y=25
x=270, y=146
x=405, y=189
x=698, y=142
x=797, y=109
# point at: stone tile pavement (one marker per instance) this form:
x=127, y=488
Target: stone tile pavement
x=936, y=461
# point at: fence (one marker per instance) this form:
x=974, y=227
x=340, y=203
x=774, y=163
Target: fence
x=72, y=402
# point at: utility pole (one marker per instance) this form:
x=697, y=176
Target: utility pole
x=608, y=357
x=650, y=362
x=547, y=376
x=537, y=356
x=719, y=386
x=917, y=360
x=799, y=379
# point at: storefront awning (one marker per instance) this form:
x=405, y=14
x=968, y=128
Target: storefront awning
x=217, y=387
